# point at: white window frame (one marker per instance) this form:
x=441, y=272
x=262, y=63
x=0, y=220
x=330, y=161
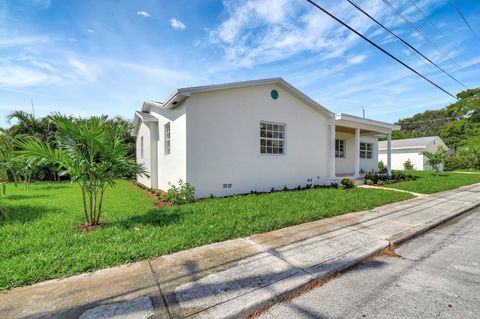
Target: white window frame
x=273, y=137
x=365, y=151
x=167, y=139
x=141, y=147
x=340, y=145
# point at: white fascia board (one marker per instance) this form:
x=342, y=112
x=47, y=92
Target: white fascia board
x=404, y=148
x=373, y=123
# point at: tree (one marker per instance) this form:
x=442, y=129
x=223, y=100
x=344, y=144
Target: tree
x=457, y=124
x=435, y=159
x=92, y=151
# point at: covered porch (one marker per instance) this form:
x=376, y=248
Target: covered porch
x=354, y=146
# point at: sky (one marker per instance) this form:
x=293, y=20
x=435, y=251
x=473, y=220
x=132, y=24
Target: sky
x=91, y=57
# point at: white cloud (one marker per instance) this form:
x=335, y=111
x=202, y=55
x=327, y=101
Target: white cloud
x=143, y=14
x=90, y=30
x=262, y=31
x=18, y=76
x=72, y=39
x=177, y=24
x=85, y=71
x=357, y=59
x=14, y=40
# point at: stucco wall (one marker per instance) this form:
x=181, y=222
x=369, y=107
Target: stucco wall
x=172, y=167
x=346, y=165
x=144, y=132
x=401, y=156
x=223, y=141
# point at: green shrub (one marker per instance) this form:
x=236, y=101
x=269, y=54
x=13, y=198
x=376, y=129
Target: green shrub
x=183, y=194
x=382, y=168
x=347, y=183
x=408, y=165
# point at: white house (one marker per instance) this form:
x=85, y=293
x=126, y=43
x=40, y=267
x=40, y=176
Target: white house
x=251, y=136
x=410, y=149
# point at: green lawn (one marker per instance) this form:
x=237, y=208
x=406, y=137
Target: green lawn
x=40, y=240
x=428, y=182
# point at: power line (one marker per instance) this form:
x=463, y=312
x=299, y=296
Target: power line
x=405, y=42
x=464, y=19
x=379, y=47
x=435, y=26
x=422, y=34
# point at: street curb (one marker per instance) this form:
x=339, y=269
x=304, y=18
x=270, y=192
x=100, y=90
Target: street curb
x=249, y=310
x=394, y=240
x=415, y=232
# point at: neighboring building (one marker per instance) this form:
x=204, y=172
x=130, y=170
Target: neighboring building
x=251, y=136
x=411, y=149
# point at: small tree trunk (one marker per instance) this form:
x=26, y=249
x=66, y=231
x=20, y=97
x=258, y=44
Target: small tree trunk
x=85, y=211
x=90, y=197
x=100, y=204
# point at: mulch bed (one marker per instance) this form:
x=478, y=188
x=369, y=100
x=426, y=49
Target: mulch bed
x=159, y=203
x=100, y=224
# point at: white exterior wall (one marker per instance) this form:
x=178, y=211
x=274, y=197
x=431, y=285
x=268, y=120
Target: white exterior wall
x=370, y=164
x=223, y=141
x=401, y=156
x=147, y=131
x=346, y=165
x=172, y=167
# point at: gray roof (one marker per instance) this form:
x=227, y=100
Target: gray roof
x=419, y=142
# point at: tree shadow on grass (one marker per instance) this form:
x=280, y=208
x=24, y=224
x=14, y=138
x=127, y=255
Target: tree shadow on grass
x=26, y=196
x=24, y=213
x=156, y=217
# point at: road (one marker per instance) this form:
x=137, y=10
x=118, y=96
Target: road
x=437, y=276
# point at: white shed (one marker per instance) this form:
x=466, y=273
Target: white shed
x=410, y=149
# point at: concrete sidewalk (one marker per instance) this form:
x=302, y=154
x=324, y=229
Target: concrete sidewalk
x=233, y=278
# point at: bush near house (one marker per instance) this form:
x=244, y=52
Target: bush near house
x=181, y=194
x=347, y=183
x=408, y=165
x=383, y=179
x=466, y=158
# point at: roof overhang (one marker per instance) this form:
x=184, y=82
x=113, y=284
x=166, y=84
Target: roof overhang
x=352, y=121
x=140, y=117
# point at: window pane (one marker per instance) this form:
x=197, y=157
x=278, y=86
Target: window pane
x=272, y=138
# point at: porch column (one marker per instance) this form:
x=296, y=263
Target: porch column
x=389, y=154
x=357, y=153
x=332, y=149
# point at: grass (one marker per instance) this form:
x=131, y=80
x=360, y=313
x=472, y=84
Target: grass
x=429, y=183
x=40, y=240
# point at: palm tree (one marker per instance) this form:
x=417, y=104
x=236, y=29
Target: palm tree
x=92, y=151
x=435, y=159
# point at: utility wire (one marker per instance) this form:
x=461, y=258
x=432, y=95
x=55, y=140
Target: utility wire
x=422, y=34
x=405, y=42
x=464, y=19
x=379, y=47
x=435, y=26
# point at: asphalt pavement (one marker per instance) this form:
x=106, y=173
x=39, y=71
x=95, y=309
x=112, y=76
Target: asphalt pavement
x=437, y=276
